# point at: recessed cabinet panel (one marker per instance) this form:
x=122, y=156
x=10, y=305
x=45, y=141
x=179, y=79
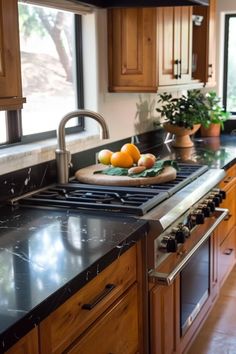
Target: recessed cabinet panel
x=132, y=50
x=10, y=74
x=174, y=45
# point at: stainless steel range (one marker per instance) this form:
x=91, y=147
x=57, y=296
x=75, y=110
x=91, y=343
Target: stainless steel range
x=182, y=215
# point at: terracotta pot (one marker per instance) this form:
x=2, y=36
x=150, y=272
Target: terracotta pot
x=212, y=130
x=182, y=135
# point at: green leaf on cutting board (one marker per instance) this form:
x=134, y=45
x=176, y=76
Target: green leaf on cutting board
x=151, y=172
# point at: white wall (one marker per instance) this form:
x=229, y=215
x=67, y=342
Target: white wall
x=127, y=114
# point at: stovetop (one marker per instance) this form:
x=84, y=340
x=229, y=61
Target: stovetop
x=128, y=200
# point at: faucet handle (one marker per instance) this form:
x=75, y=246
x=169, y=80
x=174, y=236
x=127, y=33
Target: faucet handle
x=69, y=159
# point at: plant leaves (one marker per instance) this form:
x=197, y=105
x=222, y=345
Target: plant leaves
x=151, y=172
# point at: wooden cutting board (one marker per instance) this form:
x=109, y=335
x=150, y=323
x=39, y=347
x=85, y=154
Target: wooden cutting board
x=86, y=175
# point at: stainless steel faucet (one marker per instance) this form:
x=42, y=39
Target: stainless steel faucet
x=63, y=156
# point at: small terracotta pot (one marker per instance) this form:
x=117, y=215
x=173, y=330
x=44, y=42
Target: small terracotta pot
x=212, y=130
x=182, y=135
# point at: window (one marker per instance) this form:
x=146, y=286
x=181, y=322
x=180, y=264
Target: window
x=229, y=82
x=51, y=69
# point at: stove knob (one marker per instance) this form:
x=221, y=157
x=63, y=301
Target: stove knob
x=169, y=244
x=205, y=210
x=182, y=233
x=220, y=193
x=215, y=198
x=210, y=204
x=223, y=194
x=199, y=216
x=191, y=221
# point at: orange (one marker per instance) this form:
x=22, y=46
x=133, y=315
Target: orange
x=132, y=150
x=121, y=159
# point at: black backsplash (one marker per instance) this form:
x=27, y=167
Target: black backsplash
x=26, y=180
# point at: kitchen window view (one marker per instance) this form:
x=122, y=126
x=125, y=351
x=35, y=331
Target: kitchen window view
x=229, y=92
x=50, y=71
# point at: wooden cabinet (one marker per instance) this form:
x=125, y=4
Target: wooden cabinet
x=26, y=345
x=132, y=49
x=105, y=314
x=174, y=45
x=116, y=332
x=10, y=73
x=149, y=48
x=163, y=316
x=204, y=44
x=227, y=230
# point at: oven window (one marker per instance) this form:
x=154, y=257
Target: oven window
x=194, y=285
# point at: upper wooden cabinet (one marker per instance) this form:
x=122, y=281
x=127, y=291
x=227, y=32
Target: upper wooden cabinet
x=174, y=45
x=132, y=50
x=149, y=48
x=204, y=44
x=10, y=73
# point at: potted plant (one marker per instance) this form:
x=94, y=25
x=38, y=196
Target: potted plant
x=216, y=116
x=184, y=115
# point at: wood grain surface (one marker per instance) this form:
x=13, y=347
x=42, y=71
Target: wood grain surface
x=86, y=175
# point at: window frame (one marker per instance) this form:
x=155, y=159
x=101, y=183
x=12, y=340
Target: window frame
x=225, y=64
x=13, y=118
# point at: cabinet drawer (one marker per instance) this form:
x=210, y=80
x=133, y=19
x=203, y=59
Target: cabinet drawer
x=226, y=257
x=66, y=323
x=116, y=332
x=229, y=185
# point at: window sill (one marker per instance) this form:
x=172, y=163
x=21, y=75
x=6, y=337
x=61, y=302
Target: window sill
x=26, y=155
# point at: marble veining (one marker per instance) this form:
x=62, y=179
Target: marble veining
x=47, y=255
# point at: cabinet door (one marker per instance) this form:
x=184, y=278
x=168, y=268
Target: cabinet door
x=132, y=50
x=174, y=45
x=116, y=332
x=163, y=315
x=26, y=345
x=10, y=74
x=204, y=44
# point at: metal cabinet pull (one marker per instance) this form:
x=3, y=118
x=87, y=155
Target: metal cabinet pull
x=210, y=70
x=228, y=251
x=180, y=69
x=176, y=69
x=99, y=298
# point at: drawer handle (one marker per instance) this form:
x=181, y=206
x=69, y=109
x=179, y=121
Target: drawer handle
x=99, y=298
x=228, y=251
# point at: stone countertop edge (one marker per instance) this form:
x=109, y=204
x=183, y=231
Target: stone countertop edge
x=22, y=326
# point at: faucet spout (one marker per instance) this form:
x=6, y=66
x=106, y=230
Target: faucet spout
x=63, y=156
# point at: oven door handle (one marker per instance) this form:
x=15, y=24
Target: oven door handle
x=167, y=279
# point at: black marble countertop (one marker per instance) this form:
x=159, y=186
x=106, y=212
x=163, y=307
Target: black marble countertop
x=47, y=255
x=216, y=152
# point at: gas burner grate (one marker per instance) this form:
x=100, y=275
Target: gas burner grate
x=82, y=196
x=129, y=200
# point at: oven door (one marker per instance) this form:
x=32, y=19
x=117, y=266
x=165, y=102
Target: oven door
x=194, y=285
x=174, y=263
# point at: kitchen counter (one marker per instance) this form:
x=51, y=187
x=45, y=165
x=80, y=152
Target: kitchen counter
x=48, y=255
x=216, y=152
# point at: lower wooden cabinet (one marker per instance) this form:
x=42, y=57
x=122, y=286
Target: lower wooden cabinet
x=116, y=332
x=226, y=257
x=105, y=316
x=26, y=345
x=163, y=313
